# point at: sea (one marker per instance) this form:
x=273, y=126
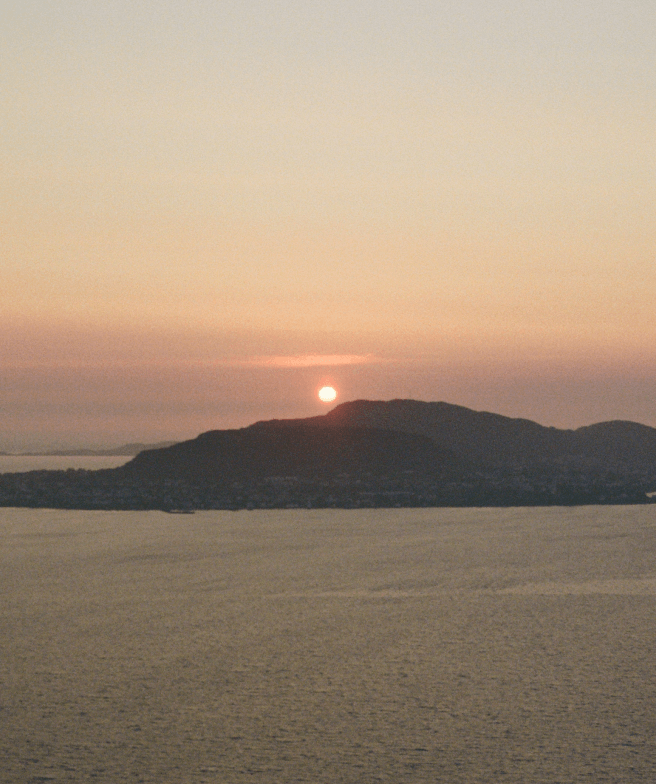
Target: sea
x=449, y=646
x=14, y=463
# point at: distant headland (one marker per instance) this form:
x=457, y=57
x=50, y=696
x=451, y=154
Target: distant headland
x=365, y=454
x=126, y=450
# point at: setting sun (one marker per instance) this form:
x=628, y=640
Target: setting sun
x=327, y=394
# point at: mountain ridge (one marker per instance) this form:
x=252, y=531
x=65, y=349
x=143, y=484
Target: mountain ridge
x=300, y=450
x=488, y=439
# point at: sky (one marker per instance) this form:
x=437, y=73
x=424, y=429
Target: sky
x=211, y=209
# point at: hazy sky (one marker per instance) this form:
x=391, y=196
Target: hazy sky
x=211, y=208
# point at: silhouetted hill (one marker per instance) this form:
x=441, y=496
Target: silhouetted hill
x=486, y=439
x=366, y=454
x=301, y=451
x=615, y=442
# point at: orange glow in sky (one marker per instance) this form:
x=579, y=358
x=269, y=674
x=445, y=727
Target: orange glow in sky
x=204, y=214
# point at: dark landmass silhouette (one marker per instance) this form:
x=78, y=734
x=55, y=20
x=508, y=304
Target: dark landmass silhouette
x=367, y=453
x=302, y=451
x=486, y=439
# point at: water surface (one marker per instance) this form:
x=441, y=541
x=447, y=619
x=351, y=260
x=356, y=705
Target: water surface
x=17, y=463
x=406, y=645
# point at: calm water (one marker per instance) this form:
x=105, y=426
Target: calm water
x=329, y=646
x=11, y=463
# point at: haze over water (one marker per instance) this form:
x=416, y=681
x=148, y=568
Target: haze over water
x=323, y=646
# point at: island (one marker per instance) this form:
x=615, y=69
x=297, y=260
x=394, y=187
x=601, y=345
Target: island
x=398, y=453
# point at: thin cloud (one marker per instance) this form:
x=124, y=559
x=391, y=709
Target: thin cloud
x=273, y=361
x=310, y=360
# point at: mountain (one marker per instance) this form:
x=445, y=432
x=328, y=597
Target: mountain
x=367, y=454
x=382, y=437
x=491, y=440
x=301, y=450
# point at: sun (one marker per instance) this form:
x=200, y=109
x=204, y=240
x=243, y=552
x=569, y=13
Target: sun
x=327, y=394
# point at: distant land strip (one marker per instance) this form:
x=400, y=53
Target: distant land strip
x=126, y=450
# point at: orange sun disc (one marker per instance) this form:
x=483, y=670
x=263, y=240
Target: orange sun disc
x=327, y=394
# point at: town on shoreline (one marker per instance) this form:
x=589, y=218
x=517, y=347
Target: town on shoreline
x=102, y=489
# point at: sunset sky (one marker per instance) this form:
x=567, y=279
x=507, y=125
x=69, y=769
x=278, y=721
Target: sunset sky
x=211, y=209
